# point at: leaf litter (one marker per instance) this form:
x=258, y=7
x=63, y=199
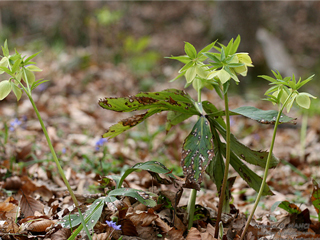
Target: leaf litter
x=34, y=199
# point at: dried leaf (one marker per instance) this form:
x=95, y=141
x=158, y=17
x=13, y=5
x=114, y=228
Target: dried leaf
x=193, y=234
x=175, y=234
x=40, y=225
x=8, y=210
x=29, y=205
x=142, y=219
x=63, y=233
x=12, y=183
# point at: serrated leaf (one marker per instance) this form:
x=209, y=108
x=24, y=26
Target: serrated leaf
x=128, y=123
x=170, y=99
x=5, y=89
x=16, y=90
x=190, y=50
x=141, y=196
x=262, y=116
x=197, y=152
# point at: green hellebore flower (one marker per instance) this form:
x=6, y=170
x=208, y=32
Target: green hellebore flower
x=303, y=99
x=222, y=74
x=246, y=60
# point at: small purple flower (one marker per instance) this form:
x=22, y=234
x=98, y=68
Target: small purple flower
x=113, y=225
x=100, y=142
x=13, y=124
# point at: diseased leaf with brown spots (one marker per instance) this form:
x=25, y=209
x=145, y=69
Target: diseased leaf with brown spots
x=197, y=152
x=170, y=99
x=128, y=123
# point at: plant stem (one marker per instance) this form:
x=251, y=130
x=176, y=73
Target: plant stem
x=60, y=170
x=303, y=134
x=265, y=170
x=226, y=170
x=193, y=195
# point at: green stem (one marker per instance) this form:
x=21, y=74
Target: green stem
x=226, y=170
x=264, y=180
x=193, y=195
x=60, y=170
x=303, y=134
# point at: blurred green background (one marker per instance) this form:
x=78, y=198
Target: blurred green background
x=282, y=35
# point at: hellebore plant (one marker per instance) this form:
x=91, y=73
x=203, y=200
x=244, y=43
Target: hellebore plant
x=284, y=93
x=202, y=150
x=22, y=79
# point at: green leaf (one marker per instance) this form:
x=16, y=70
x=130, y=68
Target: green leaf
x=262, y=116
x=300, y=84
x=5, y=89
x=37, y=83
x=289, y=207
x=4, y=63
x=197, y=152
x=315, y=197
x=177, y=77
x=28, y=76
x=184, y=59
x=190, y=50
x=91, y=216
x=258, y=158
x=16, y=90
x=207, y=48
x=170, y=99
x=141, y=196
x=26, y=62
x=270, y=79
x=253, y=180
x=34, y=68
x=235, y=45
x=174, y=118
x=150, y=166
x=191, y=74
x=5, y=69
x=5, y=49
x=128, y=123
x=303, y=100
x=212, y=56
x=216, y=167
x=16, y=65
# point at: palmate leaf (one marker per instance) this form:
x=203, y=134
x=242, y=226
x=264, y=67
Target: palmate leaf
x=258, y=158
x=197, y=152
x=170, y=99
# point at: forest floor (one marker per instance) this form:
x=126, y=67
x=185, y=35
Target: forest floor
x=33, y=198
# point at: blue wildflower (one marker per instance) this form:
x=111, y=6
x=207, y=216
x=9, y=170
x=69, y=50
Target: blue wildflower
x=100, y=142
x=113, y=225
x=13, y=124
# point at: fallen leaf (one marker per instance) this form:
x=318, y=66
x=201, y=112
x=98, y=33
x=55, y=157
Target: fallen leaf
x=142, y=219
x=29, y=205
x=193, y=234
x=8, y=210
x=40, y=225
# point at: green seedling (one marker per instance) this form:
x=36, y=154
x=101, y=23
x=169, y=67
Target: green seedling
x=22, y=79
x=283, y=93
x=203, y=151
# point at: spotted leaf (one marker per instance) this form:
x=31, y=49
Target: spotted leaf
x=141, y=196
x=128, y=123
x=170, y=99
x=197, y=152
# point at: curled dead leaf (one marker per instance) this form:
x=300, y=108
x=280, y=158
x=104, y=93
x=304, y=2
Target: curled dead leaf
x=8, y=210
x=175, y=234
x=142, y=219
x=9, y=226
x=41, y=225
x=12, y=183
x=193, y=234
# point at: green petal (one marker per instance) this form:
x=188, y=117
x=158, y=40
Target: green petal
x=5, y=89
x=191, y=74
x=303, y=100
x=223, y=76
